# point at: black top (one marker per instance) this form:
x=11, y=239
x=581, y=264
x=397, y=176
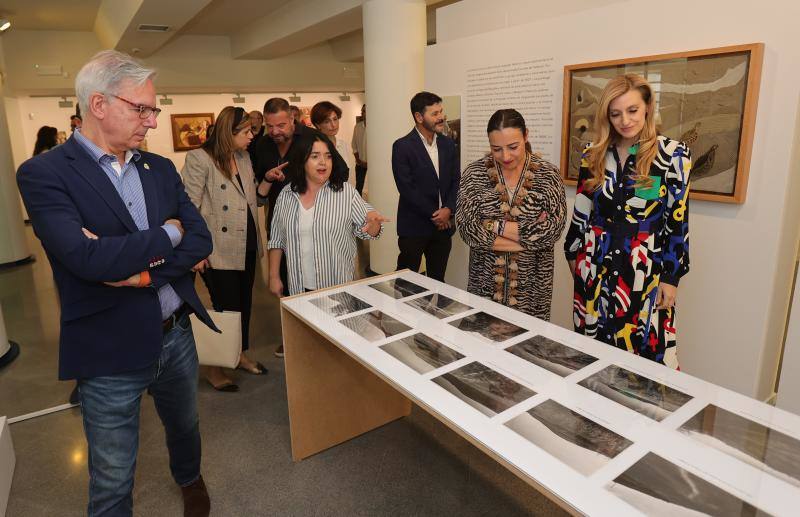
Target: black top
x=268, y=157
x=252, y=243
x=251, y=147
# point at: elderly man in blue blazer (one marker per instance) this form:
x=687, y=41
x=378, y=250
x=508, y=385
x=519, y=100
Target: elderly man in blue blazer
x=122, y=238
x=426, y=171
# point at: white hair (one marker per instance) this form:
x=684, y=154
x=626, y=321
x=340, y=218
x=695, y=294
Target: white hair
x=105, y=72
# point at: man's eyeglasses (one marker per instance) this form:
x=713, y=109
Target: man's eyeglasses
x=144, y=111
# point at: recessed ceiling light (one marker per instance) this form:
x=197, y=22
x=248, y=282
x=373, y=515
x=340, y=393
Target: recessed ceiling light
x=4, y=25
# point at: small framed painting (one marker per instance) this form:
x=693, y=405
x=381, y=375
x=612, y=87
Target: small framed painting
x=190, y=130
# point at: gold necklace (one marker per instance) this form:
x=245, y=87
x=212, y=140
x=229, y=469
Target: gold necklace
x=507, y=268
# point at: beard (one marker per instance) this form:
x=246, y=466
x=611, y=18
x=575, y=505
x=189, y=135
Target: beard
x=431, y=126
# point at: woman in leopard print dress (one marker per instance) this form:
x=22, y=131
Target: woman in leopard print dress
x=511, y=210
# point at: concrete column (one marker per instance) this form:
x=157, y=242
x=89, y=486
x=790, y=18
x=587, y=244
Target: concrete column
x=394, y=44
x=13, y=246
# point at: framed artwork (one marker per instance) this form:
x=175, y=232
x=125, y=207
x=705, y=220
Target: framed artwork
x=190, y=131
x=705, y=98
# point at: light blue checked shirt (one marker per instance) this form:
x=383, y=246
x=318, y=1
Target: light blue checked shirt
x=129, y=188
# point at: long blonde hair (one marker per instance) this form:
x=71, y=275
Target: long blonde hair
x=219, y=144
x=606, y=135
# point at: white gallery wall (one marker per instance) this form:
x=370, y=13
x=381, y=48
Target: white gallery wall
x=732, y=306
x=27, y=114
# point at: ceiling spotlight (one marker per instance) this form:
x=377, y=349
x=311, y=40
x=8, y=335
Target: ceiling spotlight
x=4, y=24
x=294, y=97
x=344, y=97
x=238, y=99
x=64, y=103
x=166, y=101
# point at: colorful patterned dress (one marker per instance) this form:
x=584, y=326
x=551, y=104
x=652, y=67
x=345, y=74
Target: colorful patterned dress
x=625, y=241
x=524, y=280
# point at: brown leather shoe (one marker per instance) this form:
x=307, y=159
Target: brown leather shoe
x=195, y=499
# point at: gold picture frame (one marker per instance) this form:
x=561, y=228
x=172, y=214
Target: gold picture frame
x=707, y=97
x=190, y=130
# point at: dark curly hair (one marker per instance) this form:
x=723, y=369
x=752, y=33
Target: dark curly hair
x=298, y=156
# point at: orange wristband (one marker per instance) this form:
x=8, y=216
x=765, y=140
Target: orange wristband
x=144, y=279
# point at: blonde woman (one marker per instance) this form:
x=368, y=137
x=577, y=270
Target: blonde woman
x=628, y=241
x=220, y=182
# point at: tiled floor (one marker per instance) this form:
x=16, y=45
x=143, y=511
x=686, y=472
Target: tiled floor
x=414, y=466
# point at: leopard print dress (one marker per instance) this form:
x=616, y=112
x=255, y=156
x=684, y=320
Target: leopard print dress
x=523, y=281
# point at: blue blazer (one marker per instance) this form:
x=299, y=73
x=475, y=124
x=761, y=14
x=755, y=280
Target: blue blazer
x=419, y=186
x=107, y=330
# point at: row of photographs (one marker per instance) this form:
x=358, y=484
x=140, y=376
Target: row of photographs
x=653, y=484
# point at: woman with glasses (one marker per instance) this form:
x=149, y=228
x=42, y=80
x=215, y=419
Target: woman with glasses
x=326, y=117
x=220, y=182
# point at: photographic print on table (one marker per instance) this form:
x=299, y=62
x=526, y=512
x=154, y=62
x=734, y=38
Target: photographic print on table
x=755, y=444
x=375, y=325
x=190, y=130
x=337, y=304
x=637, y=392
x=704, y=98
x=574, y=439
x=421, y=353
x=551, y=355
x=658, y=487
x=398, y=287
x=487, y=327
x=486, y=390
x=439, y=305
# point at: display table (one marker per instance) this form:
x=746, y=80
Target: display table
x=598, y=430
x=7, y=463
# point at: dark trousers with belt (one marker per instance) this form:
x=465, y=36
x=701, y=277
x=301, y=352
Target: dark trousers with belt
x=232, y=290
x=435, y=247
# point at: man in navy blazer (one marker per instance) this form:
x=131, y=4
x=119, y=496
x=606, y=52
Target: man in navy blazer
x=426, y=171
x=122, y=238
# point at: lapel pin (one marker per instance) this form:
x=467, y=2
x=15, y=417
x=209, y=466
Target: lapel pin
x=147, y=166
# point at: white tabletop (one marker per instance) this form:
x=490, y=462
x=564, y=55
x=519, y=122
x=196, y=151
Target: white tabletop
x=644, y=439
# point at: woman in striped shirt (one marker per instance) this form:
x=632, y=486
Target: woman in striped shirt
x=316, y=221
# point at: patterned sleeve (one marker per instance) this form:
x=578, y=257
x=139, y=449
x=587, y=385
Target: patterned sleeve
x=358, y=214
x=581, y=212
x=468, y=209
x=277, y=231
x=543, y=226
x=675, y=237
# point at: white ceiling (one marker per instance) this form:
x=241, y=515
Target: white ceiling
x=225, y=17
x=64, y=15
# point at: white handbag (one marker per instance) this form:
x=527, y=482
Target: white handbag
x=214, y=349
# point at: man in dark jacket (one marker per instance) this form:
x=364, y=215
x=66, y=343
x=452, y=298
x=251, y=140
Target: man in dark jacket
x=426, y=171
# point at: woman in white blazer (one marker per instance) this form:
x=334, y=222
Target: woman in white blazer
x=219, y=180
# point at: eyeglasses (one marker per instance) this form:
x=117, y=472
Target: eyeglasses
x=329, y=121
x=144, y=111
x=247, y=129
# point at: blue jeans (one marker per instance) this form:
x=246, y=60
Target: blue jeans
x=110, y=407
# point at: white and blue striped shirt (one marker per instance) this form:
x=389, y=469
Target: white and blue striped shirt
x=338, y=219
x=125, y=178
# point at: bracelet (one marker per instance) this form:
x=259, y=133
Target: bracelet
x=501, y=227
x=144, y=279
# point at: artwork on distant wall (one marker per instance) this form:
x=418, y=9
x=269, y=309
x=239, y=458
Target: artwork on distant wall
x=452, y=121
x=705, y=98
x=190, y=131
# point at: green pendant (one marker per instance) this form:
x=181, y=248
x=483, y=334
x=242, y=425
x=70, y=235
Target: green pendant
x=632, y=150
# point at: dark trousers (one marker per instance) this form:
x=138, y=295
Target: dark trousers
x=361, y=175
x=232, y=290
x=435, y=247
